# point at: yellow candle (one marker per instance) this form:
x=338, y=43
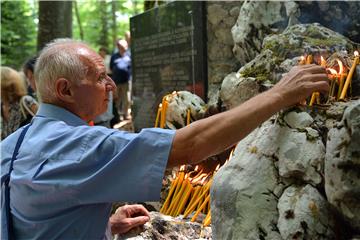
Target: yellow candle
x=205, y=190
x=169, y=196
x=323, y=62
x=207, y=199
x=349, y=77
x=178, y=198
x=313, y=98
x=309, y=59
x=207, y=219
x=184, y=199
x=341, y=85
x=176, y=191
x=158, y=115
x=317, y=97
x=188, y=117
x=193, y=197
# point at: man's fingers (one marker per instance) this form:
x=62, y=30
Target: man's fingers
x=317, y=77
x=320, y=86
x=137, y=210
x=137, y=221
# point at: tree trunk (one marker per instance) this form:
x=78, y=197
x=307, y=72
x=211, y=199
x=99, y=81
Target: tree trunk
x=79, y=20
x=103, y=38
x=114, y=26
x=55, y=21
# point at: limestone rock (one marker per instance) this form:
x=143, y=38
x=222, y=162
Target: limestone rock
x=313, y=38
x=342, y=165
x=254, y=23
x=165, y=227
x=243, y=203
x=304, y=214
x=178, y=106
x=236, y=90
x=299, y=120
x=300, y=157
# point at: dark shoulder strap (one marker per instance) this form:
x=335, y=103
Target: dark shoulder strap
x=6, y=181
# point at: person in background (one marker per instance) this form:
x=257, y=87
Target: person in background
x=128, y=40
x=120, y=65
x=17, y=108
x=28, y=70
x=71, y=173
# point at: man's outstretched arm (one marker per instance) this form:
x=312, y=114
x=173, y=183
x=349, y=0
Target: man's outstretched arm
x=214, y=134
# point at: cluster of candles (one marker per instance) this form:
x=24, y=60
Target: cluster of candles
x=337, y=78
x=162, y=109
x=189, y=192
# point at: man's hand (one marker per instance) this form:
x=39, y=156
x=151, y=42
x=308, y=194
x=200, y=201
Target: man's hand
x=300, y=82
x=127, y=217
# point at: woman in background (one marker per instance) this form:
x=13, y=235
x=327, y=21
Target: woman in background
x=17, y=108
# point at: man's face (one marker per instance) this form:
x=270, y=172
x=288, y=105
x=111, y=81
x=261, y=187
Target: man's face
x=92, y=93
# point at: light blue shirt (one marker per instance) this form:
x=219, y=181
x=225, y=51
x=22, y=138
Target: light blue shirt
x=67, y=174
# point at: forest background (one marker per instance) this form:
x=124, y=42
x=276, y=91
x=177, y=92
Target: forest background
x=26, y=26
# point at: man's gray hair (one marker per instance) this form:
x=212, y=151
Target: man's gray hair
x=58, y=59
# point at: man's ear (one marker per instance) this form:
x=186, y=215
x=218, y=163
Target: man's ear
x=63, y=90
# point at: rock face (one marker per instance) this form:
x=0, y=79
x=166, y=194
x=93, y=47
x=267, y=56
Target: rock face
x=303, y=214
x=178, y=106
x=274, y=185
x=342, y=165
x=165, y=227
x=255, y=22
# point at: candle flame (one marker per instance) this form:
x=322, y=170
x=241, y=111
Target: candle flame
x=341, y=67
x=332, y=71
x=203, y=180
x=182, y=167
x=174, y=175
x=322, y=59
x=160, y=105
x=302, y=58
x=217, y=167
x=356, y=53
x=197, y=179
x=196, y=168
x=186, y=176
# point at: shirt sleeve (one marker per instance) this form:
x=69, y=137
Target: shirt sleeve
x=124, y=166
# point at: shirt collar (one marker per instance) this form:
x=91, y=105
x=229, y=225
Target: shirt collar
x=59, y=113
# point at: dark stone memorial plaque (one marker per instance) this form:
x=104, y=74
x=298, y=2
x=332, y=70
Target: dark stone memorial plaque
x=168, y=54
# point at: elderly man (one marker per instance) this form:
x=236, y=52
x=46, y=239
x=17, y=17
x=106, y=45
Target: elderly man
x=65, y=174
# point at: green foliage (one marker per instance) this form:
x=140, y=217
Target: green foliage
x=92, y=16
x=18, y=33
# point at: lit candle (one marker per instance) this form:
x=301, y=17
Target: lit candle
x=349, y=76
x=176, y=191
x=323, y=62
x=309, y=59
x=302, y=60
x=163, y=112
x=342, y=76
x=333, y=79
